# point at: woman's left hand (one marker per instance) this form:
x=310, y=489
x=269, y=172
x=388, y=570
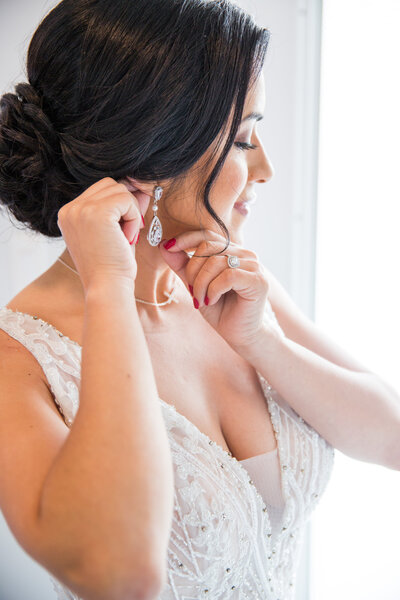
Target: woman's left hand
x=236, y=296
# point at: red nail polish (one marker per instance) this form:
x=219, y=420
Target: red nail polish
x=191, y=289
x=196, y=303
x=143, y=220
x=170, y=243
x=137, y=238
x=206, y=301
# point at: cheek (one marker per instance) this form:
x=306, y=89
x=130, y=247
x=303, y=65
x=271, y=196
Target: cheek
x=233, y=177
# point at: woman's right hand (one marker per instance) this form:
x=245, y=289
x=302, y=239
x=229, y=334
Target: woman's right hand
x=98, y=227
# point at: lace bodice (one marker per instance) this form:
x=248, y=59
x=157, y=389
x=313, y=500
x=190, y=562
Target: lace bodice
x=222, y=545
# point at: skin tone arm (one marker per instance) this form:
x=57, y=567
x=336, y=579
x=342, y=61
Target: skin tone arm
x=111, y=486
x=354, y=411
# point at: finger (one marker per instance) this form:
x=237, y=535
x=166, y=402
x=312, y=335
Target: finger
x=102, y=184
x=177, y=262
x=190, y=240
x=142, y=198
x=202, y=255
x=124, y=208
x=132, y=226
x=109, y=187
x=209, y=272
x=116, y=198
x=242, y=281
x=203, y=252
x=118, y=190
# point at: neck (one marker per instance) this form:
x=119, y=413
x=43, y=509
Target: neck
x=154, y=277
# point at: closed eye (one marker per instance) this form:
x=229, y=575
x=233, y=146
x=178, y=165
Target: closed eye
x=245, y=146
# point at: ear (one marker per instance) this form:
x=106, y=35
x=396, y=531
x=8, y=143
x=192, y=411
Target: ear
x=133, y=185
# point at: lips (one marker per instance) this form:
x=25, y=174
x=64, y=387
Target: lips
x=246, y=202
x=243, y=204
x=243, y=208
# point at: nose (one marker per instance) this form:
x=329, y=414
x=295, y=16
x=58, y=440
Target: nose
x=262, y=169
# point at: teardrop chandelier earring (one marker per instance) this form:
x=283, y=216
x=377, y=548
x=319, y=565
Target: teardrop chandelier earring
x=154, y=235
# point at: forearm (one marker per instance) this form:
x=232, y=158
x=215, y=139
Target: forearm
x=111, y=487
x=355, y=412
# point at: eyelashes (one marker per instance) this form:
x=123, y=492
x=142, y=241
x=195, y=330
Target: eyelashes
x=245, y=146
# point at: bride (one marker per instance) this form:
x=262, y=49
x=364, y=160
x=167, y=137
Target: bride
x=168, y=414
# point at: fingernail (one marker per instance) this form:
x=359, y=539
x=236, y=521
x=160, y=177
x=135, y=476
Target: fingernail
x=137, y=237
x=170, y=243
x=191, y=289
x=196, y=303
x=206, y=301
x=143, y=220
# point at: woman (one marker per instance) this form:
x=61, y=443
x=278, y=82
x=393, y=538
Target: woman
x=157, y=443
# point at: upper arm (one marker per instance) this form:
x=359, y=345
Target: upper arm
x=298, y=327
x=32, y=432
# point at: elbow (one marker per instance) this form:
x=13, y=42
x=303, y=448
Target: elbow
x=150, y=587
x=144, y=586
x=99, y=580
x=152, y=581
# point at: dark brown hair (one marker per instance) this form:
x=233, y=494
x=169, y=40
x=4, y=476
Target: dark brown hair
x=123, y=88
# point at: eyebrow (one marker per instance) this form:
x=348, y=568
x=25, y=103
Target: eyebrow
x=253, y=115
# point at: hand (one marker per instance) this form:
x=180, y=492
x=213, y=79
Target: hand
x=98, y=227
x=236, y=296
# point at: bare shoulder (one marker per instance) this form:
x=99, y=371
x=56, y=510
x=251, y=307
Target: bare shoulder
x=53, y=303
x=14, y=355
x=16, y=361
x=18, y=364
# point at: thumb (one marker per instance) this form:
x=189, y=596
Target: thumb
x=177, y=261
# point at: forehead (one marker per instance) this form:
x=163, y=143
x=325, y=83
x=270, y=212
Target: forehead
x=255, y=98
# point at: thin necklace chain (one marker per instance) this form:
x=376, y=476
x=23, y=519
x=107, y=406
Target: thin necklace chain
x=170, y=295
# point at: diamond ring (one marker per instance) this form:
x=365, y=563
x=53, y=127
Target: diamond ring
x=233, y=261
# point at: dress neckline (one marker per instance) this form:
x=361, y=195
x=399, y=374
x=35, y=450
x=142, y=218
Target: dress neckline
x=182, y=417
x=275, y=450
x=6, y=308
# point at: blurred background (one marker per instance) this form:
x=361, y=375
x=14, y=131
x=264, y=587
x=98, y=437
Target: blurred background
x=326, y=225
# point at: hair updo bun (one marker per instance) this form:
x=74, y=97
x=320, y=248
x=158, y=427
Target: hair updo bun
x=120, y=88
x=33, y=181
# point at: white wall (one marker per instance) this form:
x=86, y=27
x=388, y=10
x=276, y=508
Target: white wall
x=23, y=254
x=281, y=228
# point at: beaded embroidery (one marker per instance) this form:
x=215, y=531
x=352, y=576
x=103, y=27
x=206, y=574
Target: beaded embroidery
x=221, y=545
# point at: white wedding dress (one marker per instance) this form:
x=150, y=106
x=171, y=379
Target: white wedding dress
x=237, y=526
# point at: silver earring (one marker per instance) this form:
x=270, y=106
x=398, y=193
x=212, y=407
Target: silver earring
x=154, y=235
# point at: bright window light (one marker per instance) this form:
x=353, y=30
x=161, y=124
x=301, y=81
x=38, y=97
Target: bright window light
x=356, y=529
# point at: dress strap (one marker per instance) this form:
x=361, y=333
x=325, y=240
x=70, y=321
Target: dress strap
x=59, y=359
